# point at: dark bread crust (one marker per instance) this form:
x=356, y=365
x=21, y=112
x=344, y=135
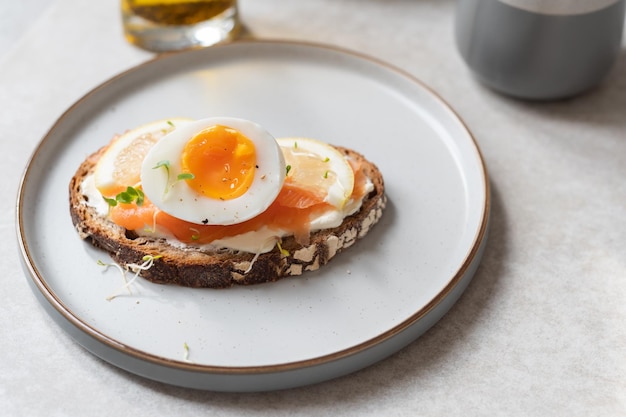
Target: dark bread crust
x=194, y=267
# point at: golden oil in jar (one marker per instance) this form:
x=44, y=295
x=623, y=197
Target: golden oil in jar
x=166, y=25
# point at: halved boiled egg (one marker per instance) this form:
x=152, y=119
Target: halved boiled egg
x=219, y=170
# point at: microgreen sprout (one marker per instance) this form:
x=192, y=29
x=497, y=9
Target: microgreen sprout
x=148, y=261
x=325, y=174
x=326, y=159
x=163, y=164
x=252, y=262
x=171, y=127
x=282, y=251
x=129, y=196
x=154, y=225
x=185, y=352
x=119, y=268
x=287, y=169
x=114, y=265
x=183, y=176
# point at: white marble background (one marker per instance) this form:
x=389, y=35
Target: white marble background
x=541, y=330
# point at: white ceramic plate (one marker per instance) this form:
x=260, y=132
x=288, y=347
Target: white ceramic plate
x=369, y=302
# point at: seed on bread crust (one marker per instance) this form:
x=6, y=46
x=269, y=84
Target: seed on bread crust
x=196, y=267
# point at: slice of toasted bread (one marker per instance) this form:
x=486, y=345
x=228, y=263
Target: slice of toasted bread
x=196, y=267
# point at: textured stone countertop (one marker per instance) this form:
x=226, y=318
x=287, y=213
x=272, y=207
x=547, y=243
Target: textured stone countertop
x=541, y=329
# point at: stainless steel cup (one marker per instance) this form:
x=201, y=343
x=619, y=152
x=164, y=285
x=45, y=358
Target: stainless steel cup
x=539, y=49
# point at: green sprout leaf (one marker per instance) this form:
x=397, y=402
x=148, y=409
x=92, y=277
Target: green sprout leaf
x=131, y=195
x=287, y=169
x=124, y=198
x=195, y=233
x=185, y=176
x=163, y=164
x=140, y=198
x=282, y=251
x=128, y=196
x=110, y=201
x=171, y=125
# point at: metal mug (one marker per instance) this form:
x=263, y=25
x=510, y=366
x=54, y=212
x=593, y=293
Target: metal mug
x=539, y=49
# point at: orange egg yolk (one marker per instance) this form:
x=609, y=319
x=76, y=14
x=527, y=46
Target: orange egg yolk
x=222, y=161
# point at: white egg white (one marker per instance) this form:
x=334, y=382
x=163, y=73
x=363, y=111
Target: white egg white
x=179, y=200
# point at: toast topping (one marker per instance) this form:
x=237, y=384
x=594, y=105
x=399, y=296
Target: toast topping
x=319, y=187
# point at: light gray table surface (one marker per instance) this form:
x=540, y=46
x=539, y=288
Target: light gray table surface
x=541, y=330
